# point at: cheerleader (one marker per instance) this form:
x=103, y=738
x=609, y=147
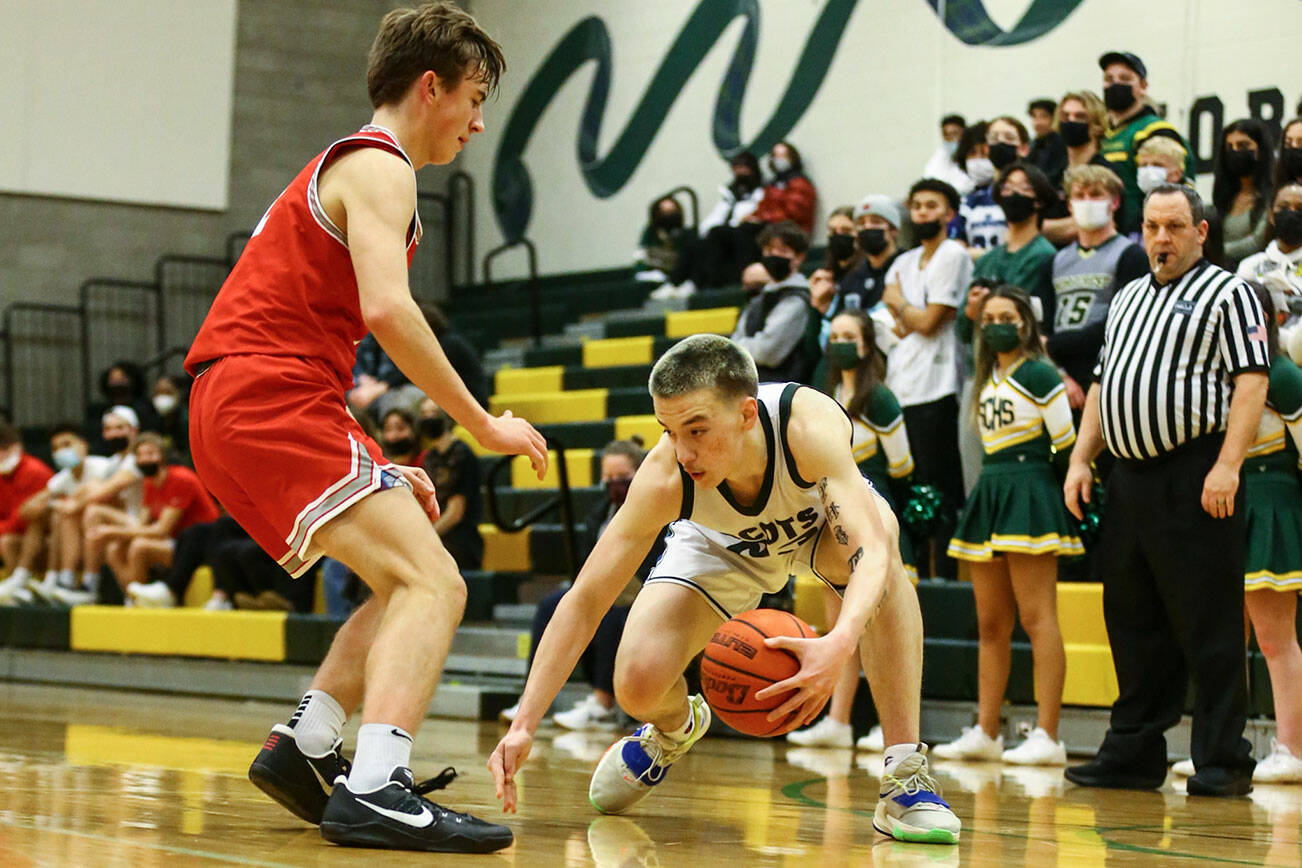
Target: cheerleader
x=1014, y=526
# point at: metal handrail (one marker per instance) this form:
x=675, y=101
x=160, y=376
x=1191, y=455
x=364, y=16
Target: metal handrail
x=563, y=500
x=460, y=179
x=83, y=294
x=8, y=329
x=535, y=305
x=691, y=197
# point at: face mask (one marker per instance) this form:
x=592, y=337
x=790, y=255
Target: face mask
x=926, y=231
x=67, y=458
x=873, y=241
x=1002, y=153
x=781, y=165
x=8, y=464
x=744, y=182
x=950, y=148
x=1291, y=159
x=1091, y=213
x=1074, y=133
x=1288, y=226
x=778, y=267
x=840, y=247
x=617, y=491
x=1002, y=337
x=1241, y=164
x=165, y=403
x=1018, y=208
x=1149, y=178
x=980, y=170
x=114, y=445
x=1118, y=97
x=149, y=468
x=669, y=221
x=434, y=427
x=119, y=393
x=842, y=354
x=403, y=446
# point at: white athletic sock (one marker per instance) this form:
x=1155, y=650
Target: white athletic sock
x=682, y=733
x=897, y=752
x=317, y=723
x=67, y=578
x=90, y=581
x=20, y=575
x=381, y=748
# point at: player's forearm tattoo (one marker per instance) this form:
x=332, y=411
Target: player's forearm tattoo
x=841, y=536
x=854, y=558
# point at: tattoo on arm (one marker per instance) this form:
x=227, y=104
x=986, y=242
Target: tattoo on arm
x=833, y=511
x=841, y=536
x=854, y=558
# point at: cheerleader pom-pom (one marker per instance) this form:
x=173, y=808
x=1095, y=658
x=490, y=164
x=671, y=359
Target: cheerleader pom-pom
x=923, y=510
x=1091, y=523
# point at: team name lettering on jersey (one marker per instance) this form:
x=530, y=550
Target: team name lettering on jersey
x=790, y=533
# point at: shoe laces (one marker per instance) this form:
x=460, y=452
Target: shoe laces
x=438, y=782
x=911, y=775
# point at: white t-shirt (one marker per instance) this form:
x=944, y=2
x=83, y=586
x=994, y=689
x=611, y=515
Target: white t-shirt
x=133, y=496
x=96, y=469
x=922, y=369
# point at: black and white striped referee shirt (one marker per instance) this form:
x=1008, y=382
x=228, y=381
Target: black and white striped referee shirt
x=1169, y=355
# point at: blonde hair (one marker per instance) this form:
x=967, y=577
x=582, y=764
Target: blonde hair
x=1094, y=109
x=1165, y=147
x=1092, y=177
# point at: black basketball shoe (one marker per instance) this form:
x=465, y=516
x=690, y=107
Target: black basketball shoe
x=397, y=817
x=300, y=782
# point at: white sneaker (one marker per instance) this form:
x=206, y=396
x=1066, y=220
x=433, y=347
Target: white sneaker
x=1280, y=767
x=1038, y=750
x=1185, y=769
x=588, y=714
x=69, y=597
x=651, y=275
x=43, y=590
x=508, y=714
x=973, y=744
x=909, y=805
x=155, y=595
x=873, y=742
x=636, y=763
x=218, y=603
x=9, y=585
x=826, y=733
x=663, y=292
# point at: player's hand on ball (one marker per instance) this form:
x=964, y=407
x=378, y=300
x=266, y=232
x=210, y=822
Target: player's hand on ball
x=508, y=756
x=422, y=487
x=821, y=661
x=1076, y=488
x=513, y=436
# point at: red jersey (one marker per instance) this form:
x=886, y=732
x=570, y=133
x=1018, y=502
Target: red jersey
x=16, y=486
x=293, y=291
x=181, y=489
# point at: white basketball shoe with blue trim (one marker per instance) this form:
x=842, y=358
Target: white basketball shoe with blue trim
x=636, y=763
x=909, y=806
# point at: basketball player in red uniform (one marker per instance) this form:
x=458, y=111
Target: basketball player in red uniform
x=274, y=442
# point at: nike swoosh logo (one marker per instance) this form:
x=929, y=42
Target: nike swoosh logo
x=419, y=821
x=328, y=786
x=397, y=732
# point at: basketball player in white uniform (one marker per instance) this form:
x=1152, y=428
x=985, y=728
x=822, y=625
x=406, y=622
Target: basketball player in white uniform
x=757, y=482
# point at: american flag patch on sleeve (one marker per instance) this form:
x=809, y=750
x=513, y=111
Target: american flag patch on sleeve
x=1257, y=333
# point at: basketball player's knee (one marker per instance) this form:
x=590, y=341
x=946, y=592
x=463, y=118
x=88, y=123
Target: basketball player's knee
x=433, y=571
x=639, y=687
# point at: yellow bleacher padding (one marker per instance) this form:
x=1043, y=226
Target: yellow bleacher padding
x=714, y=320
x=179, y=632
x=1080, y=613
x=647, y=426
x=577, y=461
x=200, y=589
x=608, y=352
x=508, y=552
x=579, y=405
x=809, y=602
x=1091, y=678
x=518, y=381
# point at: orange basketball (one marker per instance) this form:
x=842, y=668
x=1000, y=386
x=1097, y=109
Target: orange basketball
x=737, y=665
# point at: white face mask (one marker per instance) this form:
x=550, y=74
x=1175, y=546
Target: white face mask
x=980, y=170
x=164, y=403
x=1150, y=177
x=781, y=164
x=10, y=461
x=950, y=148
x=1091, y=213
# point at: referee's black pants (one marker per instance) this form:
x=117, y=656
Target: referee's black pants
x=1173, y=603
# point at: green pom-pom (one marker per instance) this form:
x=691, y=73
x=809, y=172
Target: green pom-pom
x=1091, y=524
x=923, y=510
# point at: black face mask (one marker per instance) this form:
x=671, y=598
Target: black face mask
x=114, y=445
x=617, y=491
x=149, y=468
x=744, y=183
x=840, y=247
x=1291, y=159
x=669, y=221
x=119, y=393
x=926, y=231
x=403, y=446
x=1288, y=226
x=778, y=267
x=1074, y=133
x=1118, y=97
x=1018, y=207
x=873, y=241
x=1241, y=164
x=1002, y=153
x=434, y=427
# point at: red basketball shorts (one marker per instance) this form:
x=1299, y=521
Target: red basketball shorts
x=272, y=439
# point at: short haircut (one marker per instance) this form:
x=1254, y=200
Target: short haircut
x=630, y=449
x=1092, y=177
x=1022, y=135
x=9, y=435
x=68, y=428
x=788, y=233
x=150, y=438
x=1044, y=194
x=935, y=185
x=704, y=362
x=1044, y=104
x=958, y=120
x=1162, y=146
x=435, y=36
x=1196, y=207
x=842, y=211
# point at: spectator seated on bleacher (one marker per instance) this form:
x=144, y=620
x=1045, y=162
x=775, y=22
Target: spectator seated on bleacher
x=461, y=354
x=123, y=385
x=195, y=546
x=378, y=384
x=771, y=327
x=22, y=477
x=727, y=239
x=169, y=400
x=789, y=195
x=454, y=470
x=398, y=438
x=247, y=577
x=665, y=251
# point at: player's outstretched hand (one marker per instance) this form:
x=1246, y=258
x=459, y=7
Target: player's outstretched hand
x=422, y=487
x=821, y=661
x=508, y=756
x=514, y=436
x=1076, y=488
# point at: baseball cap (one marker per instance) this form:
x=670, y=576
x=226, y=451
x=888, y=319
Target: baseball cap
x=1128, y=58
x=125, y=413
x=882, y=206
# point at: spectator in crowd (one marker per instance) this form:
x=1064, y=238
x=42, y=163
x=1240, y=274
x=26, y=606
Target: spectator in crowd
x=1131, y=121
x=1173, y=533
x=771, y=326
x=842, y=254
x=400, y=439
x=981, y=224
x=1279, y=267
x=378, y=384
x=753, y=279
x=1241, y=189
x=944, y=163
x=117, y=501
x=824, y=301
x=1014, y=527
x=454, y=470
x=880, y=441
x=789, y=195
x=22, y=477
x=620, y=460
x=973, y=157
x=461, y=354
x=249, y=578
x=1081, y=120
x=1048, y=149
x=1086, y=273
x=727, y=235
x=877, y=219
x=169, y=402
x=1159, y=160
x=666, y=251
x=174, y=499
x=123, y=385
x=1288, y=168
x=923, y=291
x=194, y=547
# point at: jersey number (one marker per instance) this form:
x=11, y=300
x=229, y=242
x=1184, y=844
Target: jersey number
x=1074, y=308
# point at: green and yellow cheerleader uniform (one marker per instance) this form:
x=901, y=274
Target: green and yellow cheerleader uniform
x=880, y=445
x=1272, y=495
x=1017, y=503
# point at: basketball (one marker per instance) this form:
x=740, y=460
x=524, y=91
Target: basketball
x=737, y=665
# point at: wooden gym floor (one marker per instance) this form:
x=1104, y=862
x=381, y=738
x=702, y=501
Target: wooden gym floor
x=99, y=778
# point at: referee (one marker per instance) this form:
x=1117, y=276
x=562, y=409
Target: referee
x=1178, y=393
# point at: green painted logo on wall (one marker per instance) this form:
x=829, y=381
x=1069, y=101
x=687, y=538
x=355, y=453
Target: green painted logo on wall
x=589, y=40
